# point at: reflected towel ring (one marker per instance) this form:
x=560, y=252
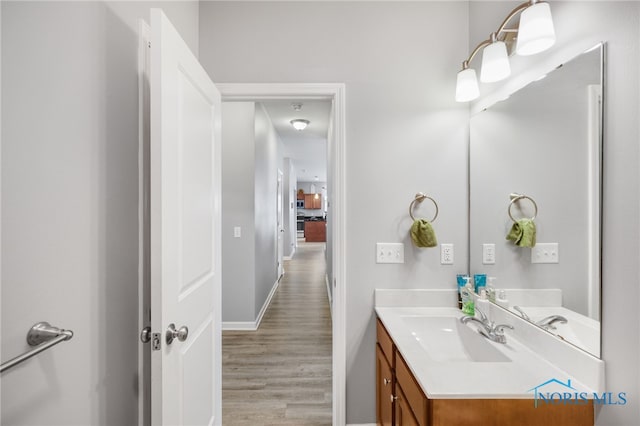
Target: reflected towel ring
x=517, y=197
x=420, y=197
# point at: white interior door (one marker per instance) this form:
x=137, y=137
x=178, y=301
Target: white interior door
x=280, y=226
x=185, y=234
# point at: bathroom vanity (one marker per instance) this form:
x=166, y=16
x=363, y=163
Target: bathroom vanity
x=433, y=370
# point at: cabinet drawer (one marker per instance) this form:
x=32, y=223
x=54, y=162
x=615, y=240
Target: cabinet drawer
x=412, y=392
x=385, y=342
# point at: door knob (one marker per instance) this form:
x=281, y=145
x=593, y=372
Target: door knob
x=181, y=334
x=145, y=335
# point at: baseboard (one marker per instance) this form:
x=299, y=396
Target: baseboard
x=251, y=325
x=239, y=326
x=293, y=251
x=326, y=281
x=267, y=302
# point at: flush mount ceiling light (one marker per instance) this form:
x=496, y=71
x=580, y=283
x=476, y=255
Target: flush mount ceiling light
x=535, y=33
x=299, y=124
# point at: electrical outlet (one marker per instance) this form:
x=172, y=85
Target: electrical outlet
x=545, y=253
x=389, y=253
x=446, y=254
x=488, y=254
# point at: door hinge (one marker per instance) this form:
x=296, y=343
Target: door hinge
x=156, y=342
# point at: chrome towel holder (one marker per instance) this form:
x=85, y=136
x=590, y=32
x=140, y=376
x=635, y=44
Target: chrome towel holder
x=515, y=197
x=43, y=336
x=420, y=197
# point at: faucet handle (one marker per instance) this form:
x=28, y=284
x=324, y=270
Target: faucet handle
x=500, y=328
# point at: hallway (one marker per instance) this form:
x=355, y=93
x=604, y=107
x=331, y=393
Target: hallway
x=281, y=373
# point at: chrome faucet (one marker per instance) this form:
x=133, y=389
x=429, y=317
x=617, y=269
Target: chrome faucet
x=547, y=322
x=522, y=313
x=489, y=330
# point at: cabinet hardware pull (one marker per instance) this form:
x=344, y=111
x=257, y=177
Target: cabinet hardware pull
x=386, y=381
x=393, y=398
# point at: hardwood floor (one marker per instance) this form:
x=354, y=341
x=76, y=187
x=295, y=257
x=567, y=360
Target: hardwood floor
x=281, y=373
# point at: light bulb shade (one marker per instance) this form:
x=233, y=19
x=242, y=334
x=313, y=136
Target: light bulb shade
x=495, y=63
x=535, y=32
x=467, y=86
x=299, y=124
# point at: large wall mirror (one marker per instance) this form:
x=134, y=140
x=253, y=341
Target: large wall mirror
x=544, y=142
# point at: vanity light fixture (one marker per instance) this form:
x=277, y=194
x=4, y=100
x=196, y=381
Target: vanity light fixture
x=535, y=33
x=495, y=61
x=299, y=124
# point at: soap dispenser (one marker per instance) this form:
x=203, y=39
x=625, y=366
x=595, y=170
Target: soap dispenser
x=467, y=298
x=491, y=289
x=501, y=300
x=482, y=305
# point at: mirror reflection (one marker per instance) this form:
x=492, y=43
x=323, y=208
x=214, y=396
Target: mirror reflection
x=535, y=189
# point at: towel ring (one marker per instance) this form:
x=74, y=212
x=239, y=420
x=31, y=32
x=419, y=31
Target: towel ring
x=420, y=197
x=517, y=197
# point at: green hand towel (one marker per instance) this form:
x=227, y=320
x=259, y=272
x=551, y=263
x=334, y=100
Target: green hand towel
x=523, y=233
x=422, y=234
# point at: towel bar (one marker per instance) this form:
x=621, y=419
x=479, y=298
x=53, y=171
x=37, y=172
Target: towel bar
x=43, y=336
x=515, y=197
x=420, y=197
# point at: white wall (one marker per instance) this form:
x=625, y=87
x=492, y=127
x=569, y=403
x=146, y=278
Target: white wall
x=268, y=160
x=580, y=25
x=70, y=205
x=252, y=156
x=405, y=133
x=238, y=209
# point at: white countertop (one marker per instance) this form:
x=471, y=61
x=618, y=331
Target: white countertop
x=527, y=368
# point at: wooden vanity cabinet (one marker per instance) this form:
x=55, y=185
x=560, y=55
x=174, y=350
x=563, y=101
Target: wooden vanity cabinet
x=403, y=414
x=396, y=391
x=385, y=379
x=384, y=389
x=409, y=406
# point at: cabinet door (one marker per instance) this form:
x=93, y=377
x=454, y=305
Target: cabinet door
x=403, y=415
x=384, y=389
x=317, y=201
x=308, y=201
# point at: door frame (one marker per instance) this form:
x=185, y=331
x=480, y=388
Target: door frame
x=335, y=92
x=279, y=224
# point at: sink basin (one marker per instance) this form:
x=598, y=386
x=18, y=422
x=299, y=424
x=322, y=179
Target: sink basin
x=446, y=339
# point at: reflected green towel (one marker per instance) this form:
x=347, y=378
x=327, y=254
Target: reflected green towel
x=523, y=233
x=422, y=234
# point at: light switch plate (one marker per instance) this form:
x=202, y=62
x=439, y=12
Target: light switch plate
x=389, y=253
x=545, y=253
x=237, y=232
